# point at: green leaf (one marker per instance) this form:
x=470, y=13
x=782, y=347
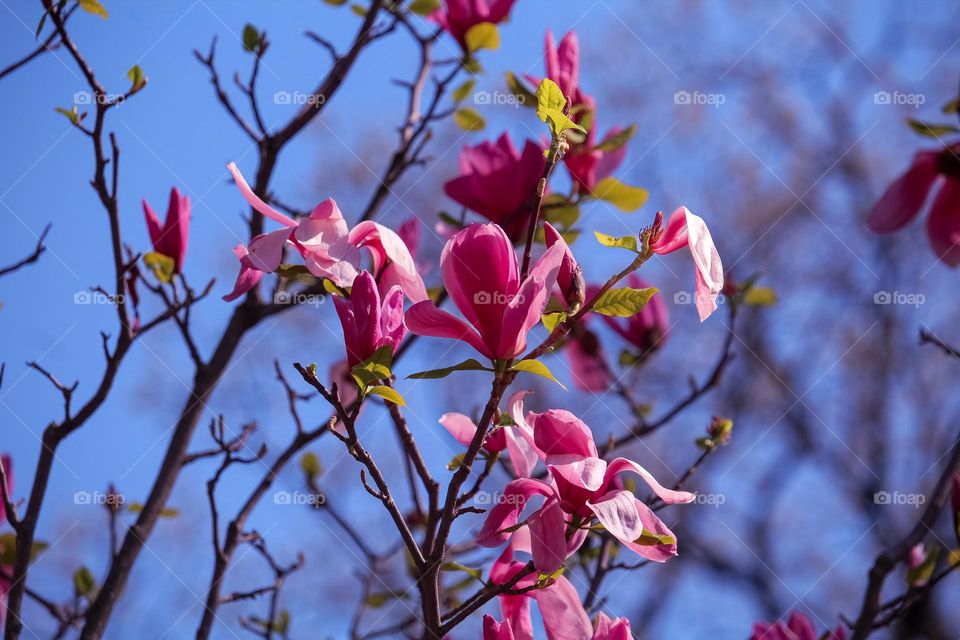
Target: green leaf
x=469, y=120
x=167, y=512
x=921, y=575
x=72, y=114
x=83, y=583
x=518, y=88
x=424, y=7
x=473, y=572
x=282, y=623
x=137, y=79
x=558, y=211
x=760, y=296
x=614, y=142
x=460, y=93
x=623, y=242
x=931, y=130
x=620, y=195
x=388, y=393
x=251, y=38
x=551, y=320
x=953, y=558
x=651, y=539
x=456, y=461
x=376, y=367
x=436, y=374
x=537, y=368
x=550, y=104
x=310, y=465
x=377, y=600
x=482, y=36
x=8, y=549
x=162, y=266
x=623, y=302
x=359, y=10
x=952, y=107
x=94, y=7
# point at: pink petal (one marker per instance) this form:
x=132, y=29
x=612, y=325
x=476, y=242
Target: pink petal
x=255, y=201
x=943, y=224
x=904, y=198
x=266, y=250
x=425, y=319
x=669, y=496
x=247, y=279
x=625, y=517
x=547, y=538
x=506, y=512
x=493, y=630
x=564, y=617
x=153, y=224
x=391, y=258
x=589, y=372
x=461, y=427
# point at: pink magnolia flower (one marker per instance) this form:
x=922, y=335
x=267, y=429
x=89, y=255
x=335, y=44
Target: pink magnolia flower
x=684, y=229
x=588, y=362
x=522, y=454
x=903, y=200
x=457, y=16
x=582, y=487
x=170, y=239
x=563, y=615
x=612, y=629
x=570, y=277
x=329, y=249
x=7, y=463
x=479, y=269
x=589, y=164
x=367, y=324
x=493, y=630
x=798, y=627
x=498, y=182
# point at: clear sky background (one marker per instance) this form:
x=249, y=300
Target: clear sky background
x=175, y=133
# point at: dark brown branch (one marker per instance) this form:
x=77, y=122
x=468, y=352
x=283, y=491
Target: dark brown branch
x=30, y=259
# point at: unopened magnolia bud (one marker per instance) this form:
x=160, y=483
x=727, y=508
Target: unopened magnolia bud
x=576, y=291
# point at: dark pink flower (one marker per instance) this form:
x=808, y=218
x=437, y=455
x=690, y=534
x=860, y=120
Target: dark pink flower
x=493, y=630
x=589, y=164
x=367, y=324
x=479, y=269
x=170, y=239
x=612, y=629
x=499, y=182
x=570, y=277
x=457, y=16
x=798, y=627
x=684, y=229
x=901, y=203
x=588, y=362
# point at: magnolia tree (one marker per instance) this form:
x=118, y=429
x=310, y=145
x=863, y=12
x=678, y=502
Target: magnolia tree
x=568, y=509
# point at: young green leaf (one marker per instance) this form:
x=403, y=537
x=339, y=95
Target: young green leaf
x=251, y=38
x=620, y=195
x=453, y=565
x=623, y=242
x=94, y=7
x=162, y=266
x=551, y=320
x=952, y=107
x=760, y=296
x=83, y=583
x=623, y=302
x=537, y=368
x=460, y=93
x=469, y=120
x=931, y=130
x=387, y=393
x=424, y=7
x=137, y=79
x=376, y=367
x=436, y=374
x=616, y=141
x=310, y=465
x=482, y=36
x=550, y=104
x=71, y=114
x=524, y=95
x=649, y=539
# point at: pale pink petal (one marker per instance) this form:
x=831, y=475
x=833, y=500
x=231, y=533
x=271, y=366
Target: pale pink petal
x=425, y=319
x=564, y=617
x=255, y=201
x=547, y=538
x=391, y=258
x=461, y=427
x=506, y=512
x=266, y=250
x=670, y=496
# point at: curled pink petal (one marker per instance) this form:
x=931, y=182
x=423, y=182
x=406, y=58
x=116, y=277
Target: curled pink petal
x=904, y=198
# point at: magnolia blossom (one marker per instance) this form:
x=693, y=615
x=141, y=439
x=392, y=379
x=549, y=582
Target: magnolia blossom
x=329, y=249
x=582, y=486
x=563, y=615
x=367, y=324
x=587, y=360
x=798, y=627
x=684, y=229
x=170, y=238
x=479, y=269
x=522, y=455
x=570, y=277
x=931, y=171
x=457, y=16
x=499, y=182
x=589, y=162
